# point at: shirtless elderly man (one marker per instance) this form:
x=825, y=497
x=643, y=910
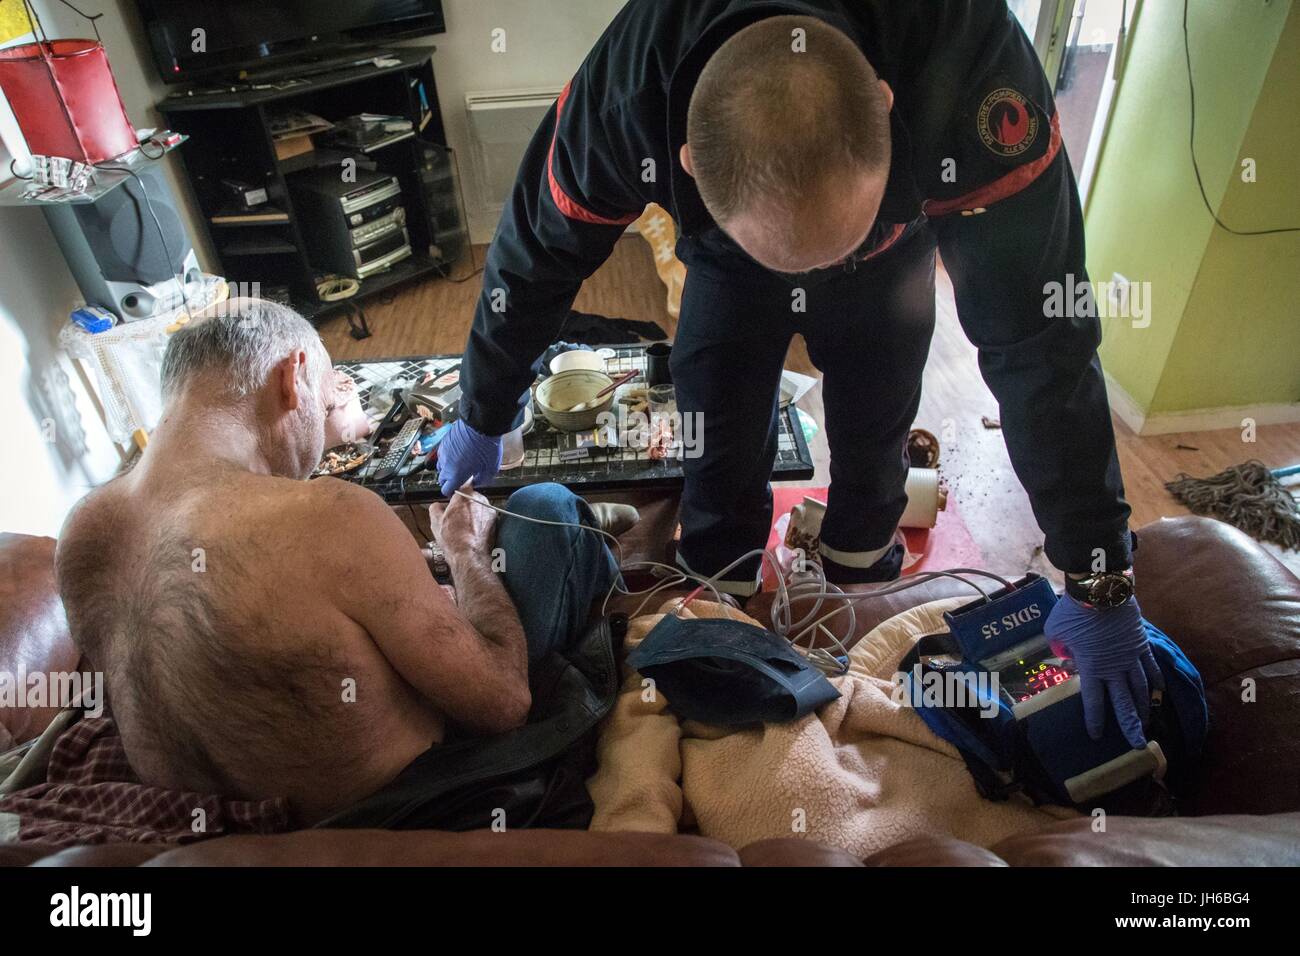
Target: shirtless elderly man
x=229, y=602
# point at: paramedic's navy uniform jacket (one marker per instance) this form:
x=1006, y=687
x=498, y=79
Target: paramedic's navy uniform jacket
x=978, y=170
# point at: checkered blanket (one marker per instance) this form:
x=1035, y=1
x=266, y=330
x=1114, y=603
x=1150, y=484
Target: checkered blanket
x=91, y=795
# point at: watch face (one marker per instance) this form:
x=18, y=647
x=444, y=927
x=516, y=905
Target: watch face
x=1110, y=590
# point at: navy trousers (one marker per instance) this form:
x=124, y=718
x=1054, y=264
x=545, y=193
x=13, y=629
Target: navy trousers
x=868, y=327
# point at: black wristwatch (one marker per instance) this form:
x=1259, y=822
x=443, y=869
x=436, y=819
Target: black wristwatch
x=1106, y=589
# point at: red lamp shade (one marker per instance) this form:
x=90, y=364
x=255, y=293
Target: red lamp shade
x=40, y=79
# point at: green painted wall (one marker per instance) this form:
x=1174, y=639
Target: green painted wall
x=1145, y=218
x=1239, y=341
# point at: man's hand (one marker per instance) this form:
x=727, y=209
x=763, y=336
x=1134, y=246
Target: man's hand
x=344, y=419
x=467, y=455
x=1114, y=657
x=463, y=528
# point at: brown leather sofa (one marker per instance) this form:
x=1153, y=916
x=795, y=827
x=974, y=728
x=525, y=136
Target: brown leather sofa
x=1233, y=608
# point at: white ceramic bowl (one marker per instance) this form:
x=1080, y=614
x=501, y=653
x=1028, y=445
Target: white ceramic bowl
x=578, y=358
x=559, y=393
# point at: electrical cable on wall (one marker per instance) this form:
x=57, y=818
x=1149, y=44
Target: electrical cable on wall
x=1191, y=88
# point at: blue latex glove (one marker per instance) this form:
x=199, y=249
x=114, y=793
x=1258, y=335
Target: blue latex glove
x=464, y=455
x=1114, y=658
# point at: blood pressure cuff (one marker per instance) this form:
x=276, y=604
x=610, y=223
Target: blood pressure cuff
x=1048, y=755
x=729, y=672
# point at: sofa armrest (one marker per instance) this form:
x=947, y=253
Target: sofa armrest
x=935, y=851
x=102, y=854
x=440, y=848
x=1235, y=611
x=33, y=628
x=1168, y=841
x=790, y=851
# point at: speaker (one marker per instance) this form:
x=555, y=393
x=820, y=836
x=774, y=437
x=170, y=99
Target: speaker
x=122, y=259
x=443, y=224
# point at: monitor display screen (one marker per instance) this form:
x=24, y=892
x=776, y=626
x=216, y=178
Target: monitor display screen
x=207, y=39
x=1026, y=679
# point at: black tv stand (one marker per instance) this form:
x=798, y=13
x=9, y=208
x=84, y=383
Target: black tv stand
x=230, y=138
x=305, y=68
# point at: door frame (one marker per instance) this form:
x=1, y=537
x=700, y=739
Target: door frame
x=1119, y=57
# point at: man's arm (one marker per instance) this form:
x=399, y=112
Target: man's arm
x=473, y=664
x=572, y=201
x=1013, y=245
x=1010, y=228
x=465, y=530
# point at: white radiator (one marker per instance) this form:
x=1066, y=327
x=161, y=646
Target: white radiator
x=501, y=124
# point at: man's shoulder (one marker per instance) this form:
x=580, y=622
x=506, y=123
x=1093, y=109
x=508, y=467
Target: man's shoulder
x=347, y=544
x=89, y=528
x=341, y=518
x=334, y=500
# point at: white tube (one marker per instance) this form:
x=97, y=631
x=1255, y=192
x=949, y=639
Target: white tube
x=926, y=497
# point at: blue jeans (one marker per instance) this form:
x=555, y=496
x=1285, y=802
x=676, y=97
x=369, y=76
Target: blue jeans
x=553, y=574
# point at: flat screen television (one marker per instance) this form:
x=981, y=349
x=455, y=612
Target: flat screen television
x=217, y=39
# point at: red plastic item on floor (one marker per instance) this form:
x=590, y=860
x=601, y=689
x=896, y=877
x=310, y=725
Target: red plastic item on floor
x=36, y=76
x=947, y=545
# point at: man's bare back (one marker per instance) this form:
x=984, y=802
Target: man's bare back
x=215, y=605
x=263, y=636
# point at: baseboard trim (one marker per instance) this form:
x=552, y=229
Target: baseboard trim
x=1194, y=420
x=1210, y=419
x=1125, y=405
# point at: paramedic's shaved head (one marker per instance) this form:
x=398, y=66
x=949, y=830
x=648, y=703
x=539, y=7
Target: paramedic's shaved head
x=788, y=141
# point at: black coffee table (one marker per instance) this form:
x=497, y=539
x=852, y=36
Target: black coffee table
x=619, y=469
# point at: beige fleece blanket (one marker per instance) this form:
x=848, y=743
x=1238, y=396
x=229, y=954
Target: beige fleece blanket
x=863, y=773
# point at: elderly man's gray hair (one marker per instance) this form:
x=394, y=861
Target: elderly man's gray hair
x=242, y=340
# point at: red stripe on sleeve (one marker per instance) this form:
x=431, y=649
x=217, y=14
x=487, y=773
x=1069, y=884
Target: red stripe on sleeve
x=888, y=241
x=1000, y=189
x=566, y=203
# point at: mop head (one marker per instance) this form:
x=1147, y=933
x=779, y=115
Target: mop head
x=1246, y=496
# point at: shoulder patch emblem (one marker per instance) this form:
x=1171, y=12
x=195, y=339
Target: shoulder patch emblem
x=1006, y=122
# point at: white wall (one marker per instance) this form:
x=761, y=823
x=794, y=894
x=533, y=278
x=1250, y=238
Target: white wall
x=56, y=445
x=546, y=42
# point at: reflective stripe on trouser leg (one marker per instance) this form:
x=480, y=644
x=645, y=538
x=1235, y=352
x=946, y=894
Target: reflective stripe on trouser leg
x=734, y=586
x=861, y=567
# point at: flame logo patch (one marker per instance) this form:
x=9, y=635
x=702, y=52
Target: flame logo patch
x=1007, y=123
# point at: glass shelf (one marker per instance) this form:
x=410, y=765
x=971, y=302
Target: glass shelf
x=107, y=179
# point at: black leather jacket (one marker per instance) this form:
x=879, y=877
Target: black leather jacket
x=531, y=777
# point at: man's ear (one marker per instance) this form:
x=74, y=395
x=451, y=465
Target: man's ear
x=889, y=94
x=686, y=160
x=286, y=378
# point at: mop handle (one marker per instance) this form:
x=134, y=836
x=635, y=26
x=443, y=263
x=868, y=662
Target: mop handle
x=1287, y=472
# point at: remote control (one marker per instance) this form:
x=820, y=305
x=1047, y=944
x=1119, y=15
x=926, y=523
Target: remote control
x=398, y=449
